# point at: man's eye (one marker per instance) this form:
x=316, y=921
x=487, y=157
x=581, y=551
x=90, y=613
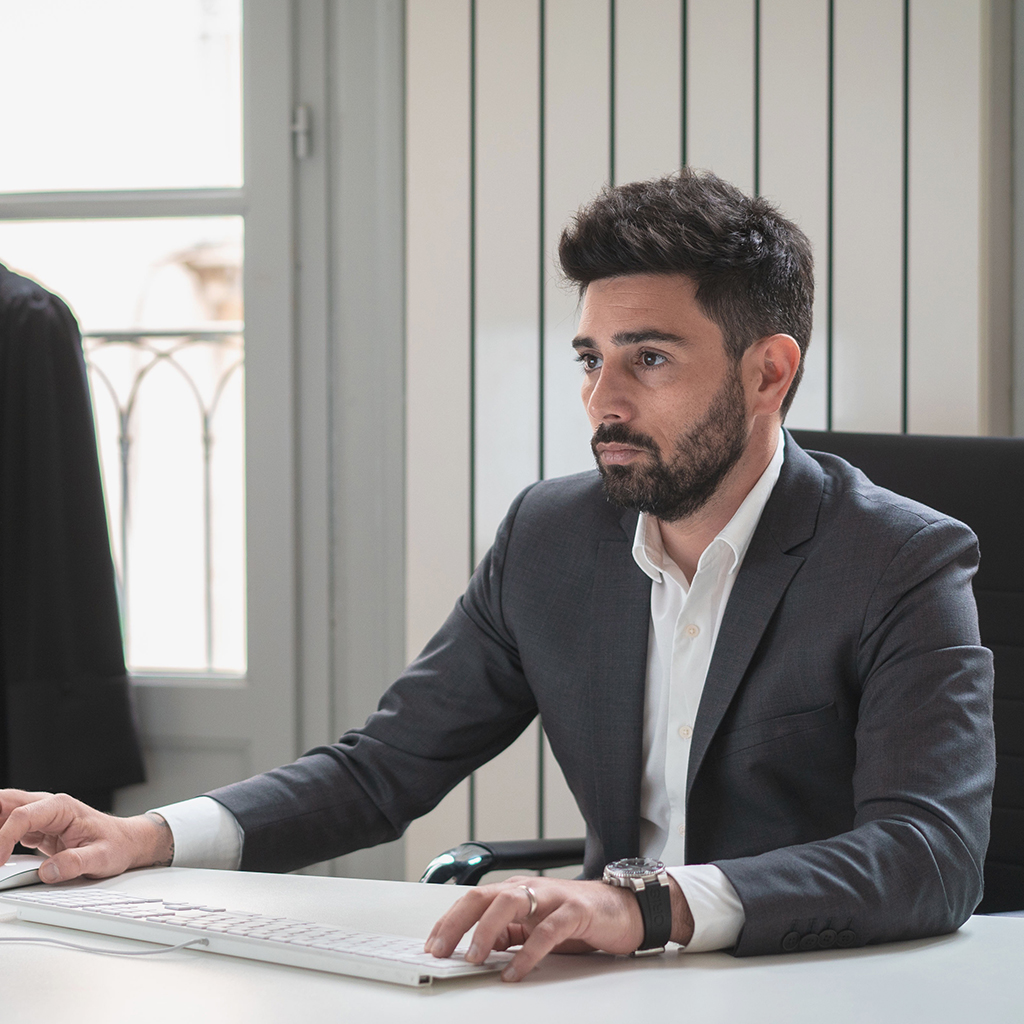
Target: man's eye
x=589, y=360
x=651, y=358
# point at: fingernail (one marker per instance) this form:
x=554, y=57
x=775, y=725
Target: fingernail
x=475, y=953
x=435, y=947
x=49, y=873
x=509, y=974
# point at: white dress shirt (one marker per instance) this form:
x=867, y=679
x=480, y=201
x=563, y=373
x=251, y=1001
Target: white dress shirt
x=685, y=619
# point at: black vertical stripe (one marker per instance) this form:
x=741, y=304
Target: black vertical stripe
x=472, y=337
x=683, y=18
x=541, y=215
x=540, y=780
x=541, y=337
x=757, y=97
x=830, y=214
x=611, y=92
x=905, y=276
x=472, y=284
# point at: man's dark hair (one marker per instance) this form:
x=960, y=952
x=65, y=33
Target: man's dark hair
x=752, y=267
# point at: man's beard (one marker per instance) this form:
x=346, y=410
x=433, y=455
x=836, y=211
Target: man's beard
x=703, y=456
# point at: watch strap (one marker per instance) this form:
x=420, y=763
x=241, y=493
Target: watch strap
x=655, y=899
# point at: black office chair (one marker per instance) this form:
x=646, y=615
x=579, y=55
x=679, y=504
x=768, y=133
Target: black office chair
x=978, y=480
x=467, y=863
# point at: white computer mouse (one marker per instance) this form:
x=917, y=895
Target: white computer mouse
x=21, y=869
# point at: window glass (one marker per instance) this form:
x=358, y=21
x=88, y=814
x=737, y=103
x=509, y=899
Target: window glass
x=120, y=94
x=146, y=272
x=160, y=304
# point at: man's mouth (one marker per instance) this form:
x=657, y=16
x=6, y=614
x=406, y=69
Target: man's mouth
x=612, y=454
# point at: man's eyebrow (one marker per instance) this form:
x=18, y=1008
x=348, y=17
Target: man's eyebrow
x=623, y=338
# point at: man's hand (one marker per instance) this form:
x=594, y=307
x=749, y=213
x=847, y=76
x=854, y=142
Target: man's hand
x=78, y=840
x=571, y=917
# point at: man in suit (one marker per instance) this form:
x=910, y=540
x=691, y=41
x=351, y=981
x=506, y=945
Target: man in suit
x=750, y=662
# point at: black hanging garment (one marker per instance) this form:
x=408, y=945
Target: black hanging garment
x=66, y=715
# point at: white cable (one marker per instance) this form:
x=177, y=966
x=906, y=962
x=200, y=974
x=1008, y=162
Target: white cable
x=107, y=952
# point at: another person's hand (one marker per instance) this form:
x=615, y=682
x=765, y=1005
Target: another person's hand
x=78, y=840
x=570, y=917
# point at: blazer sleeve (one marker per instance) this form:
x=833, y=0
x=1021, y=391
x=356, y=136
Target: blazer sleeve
x=461, y=702
x=911, y=865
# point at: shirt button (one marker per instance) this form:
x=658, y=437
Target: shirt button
x=685, y=732
x=681, y=830
x=692, y=630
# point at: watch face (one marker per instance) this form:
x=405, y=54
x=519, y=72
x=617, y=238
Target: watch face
x=635, y=867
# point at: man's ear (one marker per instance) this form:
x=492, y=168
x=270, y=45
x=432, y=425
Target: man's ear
x=772, y=363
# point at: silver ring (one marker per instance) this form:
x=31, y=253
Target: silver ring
x=533, y=899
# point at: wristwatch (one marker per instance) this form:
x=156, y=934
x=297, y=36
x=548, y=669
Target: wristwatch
x=649, y=881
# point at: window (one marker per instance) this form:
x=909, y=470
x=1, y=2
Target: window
x=137, y=195
x=136, y=109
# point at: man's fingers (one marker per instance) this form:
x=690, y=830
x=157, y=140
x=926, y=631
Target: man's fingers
x=458, y=919
x=45, y=846
x=506, y=908
x=29, y=819
x=78, y=840
x=11, y=798
x=559, y=926
x=49, y=823
x=542, y=915
x=10, y=801
x=66, y=865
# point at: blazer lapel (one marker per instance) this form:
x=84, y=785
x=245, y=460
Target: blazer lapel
x=619, y=625
x=789, y=519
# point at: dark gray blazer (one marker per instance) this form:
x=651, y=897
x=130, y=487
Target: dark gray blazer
x=842, y=760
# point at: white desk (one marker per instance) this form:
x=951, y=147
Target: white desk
x=972, y=976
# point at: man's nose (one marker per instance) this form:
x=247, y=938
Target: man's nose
x=608, y=399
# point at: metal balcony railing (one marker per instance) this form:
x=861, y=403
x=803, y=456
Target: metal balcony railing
x=126, y=382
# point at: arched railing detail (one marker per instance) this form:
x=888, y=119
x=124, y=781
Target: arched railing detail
x=162, y=348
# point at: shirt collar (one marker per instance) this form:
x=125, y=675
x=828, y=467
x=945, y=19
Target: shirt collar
x=735, y=536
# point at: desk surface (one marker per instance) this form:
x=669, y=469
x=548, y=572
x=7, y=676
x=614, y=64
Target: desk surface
x=973, y=975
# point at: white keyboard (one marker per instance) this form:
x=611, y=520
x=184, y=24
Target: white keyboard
x=278, y=940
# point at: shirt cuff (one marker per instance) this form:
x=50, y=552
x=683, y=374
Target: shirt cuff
x=718, y=915
x=205, y=833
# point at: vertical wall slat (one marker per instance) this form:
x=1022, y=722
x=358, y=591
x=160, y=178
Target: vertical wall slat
x=577, y=143
x=720, y=89
x=944, y=306
x=648, y=67
x=577, y=158
x=506, y=791
x=794, y=160
x=995, y=335
x=868, y=202
x=363, y=178
x=437, y=358
x=562, y=818
x=507, y=245
x=506, y=421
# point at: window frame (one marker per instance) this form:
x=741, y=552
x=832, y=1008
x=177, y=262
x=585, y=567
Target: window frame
x=253, y=715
